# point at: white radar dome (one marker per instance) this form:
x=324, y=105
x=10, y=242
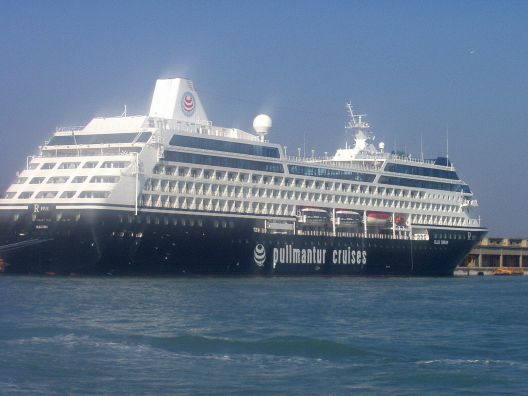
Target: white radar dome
x=262, y=123
x=381, y=146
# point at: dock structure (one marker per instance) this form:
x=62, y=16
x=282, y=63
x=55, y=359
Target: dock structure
x=497, y=256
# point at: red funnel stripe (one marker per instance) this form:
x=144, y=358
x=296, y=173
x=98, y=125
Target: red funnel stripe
x=188, y=104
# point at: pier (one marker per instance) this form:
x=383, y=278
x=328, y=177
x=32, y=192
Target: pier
x=497, y=256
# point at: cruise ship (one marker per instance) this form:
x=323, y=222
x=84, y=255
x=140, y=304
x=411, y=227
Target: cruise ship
x=171, y=193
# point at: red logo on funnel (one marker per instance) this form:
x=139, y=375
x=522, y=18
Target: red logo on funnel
x=188, y=104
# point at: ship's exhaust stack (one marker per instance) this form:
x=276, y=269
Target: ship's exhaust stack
x=176, y=99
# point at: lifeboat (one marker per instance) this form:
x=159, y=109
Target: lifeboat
x=377, y=218
x=347, y=218
x=314, y=216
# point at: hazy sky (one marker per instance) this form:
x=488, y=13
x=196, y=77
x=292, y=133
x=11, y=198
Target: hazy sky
x=415, y=68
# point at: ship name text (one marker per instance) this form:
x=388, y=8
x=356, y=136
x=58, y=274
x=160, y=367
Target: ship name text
x=291, y=255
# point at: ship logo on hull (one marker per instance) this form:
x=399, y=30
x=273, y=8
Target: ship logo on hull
x=37, y=208
x=259, y=255
x=188, y=104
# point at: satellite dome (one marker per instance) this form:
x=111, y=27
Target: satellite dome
x=262, y=123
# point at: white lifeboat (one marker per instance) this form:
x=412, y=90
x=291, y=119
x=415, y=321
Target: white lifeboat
x=314, y=216
x=347, y=218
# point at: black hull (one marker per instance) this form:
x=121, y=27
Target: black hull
x=120, y=243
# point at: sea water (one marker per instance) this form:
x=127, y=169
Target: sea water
x=259, y=336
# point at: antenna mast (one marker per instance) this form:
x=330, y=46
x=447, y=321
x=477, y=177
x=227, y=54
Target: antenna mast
x=358, y=128
x=421, y=146
x=447, y=140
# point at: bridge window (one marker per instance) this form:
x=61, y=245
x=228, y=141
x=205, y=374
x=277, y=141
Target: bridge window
x=221, y=145
x=330, y=173
x=25, y=195
x=115, y=164
x=94, y=194
x=48, y=165
x=226, y=162
x=79, y=179
x=90, y=164
x=104, y=179
x=37, y=180
x=46, y=194
x=20, y=180
x=401, y=181
x=68, y=194
x=58, y=179
x=421, y=171
x=104, y=138
x=69, y=165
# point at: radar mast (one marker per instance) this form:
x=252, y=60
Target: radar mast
x=356, y=128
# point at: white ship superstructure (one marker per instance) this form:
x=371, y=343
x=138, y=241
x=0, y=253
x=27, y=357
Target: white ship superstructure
x=174, y=166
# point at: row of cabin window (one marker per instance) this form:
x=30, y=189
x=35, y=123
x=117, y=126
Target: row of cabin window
x=53, y=194
x=151, y=200
x=183, y=221
x=318, y=184
x=267, y=166
x=174, y=186
x=245, y=178
x=459, y=236
x=155, y=200
x=268, y=180
x=300, y=183
x=64, y=179
x=308, y=171
x=75, y=165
